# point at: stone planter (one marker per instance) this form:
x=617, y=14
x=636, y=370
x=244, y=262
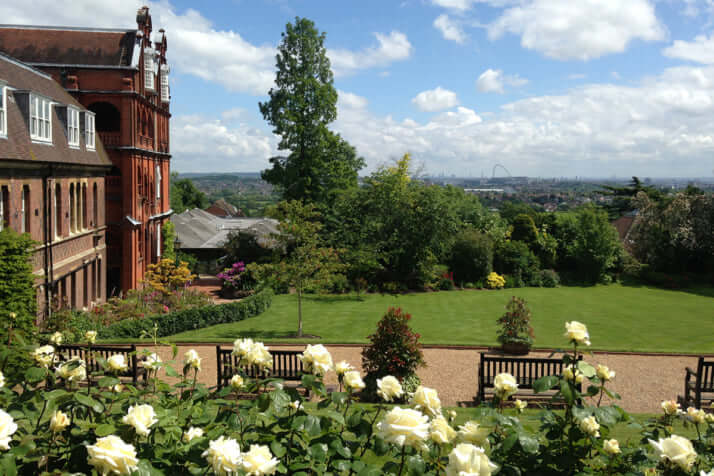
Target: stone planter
x=516, y=348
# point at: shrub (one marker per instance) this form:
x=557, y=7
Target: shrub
x=166, y=276
x=515, y=258
x=515, y=323
x=189, y=319
x=513, y=282
x=524, y=229
x=495, y=281
x=394, y=348
x=471, y=257
x=549, y=278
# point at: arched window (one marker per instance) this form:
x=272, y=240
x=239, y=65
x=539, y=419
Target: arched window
x=72, y=210
x=95, y=206
x=107, y=117
x=25, y=210
x=58, y=210
x=158, y=182
x=84, y=206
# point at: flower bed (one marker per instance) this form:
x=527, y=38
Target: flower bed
x=49, y=423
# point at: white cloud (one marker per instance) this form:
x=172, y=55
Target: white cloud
x=493, y=81
x=435, y=99
x=390, y=48
x=577, y=76
x=460, y=6
x=449, y=29
x=351, y=100
x=700, y=50
x=585, y=29
x=662, y=126
x=200, y=144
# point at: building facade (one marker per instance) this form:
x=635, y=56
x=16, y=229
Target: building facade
x=52, y=169
x=122, y=77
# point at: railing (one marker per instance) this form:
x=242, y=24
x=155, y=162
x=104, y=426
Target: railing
x=146, y=142
x=110, y=138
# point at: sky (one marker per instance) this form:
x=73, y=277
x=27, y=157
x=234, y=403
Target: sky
x=544, y=88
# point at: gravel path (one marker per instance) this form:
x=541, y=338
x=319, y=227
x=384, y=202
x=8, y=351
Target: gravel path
x=643, y=381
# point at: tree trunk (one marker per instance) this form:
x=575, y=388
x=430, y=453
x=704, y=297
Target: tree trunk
x=299, y=293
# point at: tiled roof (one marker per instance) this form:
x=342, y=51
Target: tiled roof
x=69, y=46
x=18, y=145
x=198, y=229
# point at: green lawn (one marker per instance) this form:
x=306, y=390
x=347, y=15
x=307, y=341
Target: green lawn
x=618, y=317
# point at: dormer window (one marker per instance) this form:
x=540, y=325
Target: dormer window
x=73, y=126
x=149, y=69
x=3, y=110
x=164, y=83
x=40, y=123
x=89, y=133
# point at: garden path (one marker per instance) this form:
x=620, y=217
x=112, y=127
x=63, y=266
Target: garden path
x=642, y=380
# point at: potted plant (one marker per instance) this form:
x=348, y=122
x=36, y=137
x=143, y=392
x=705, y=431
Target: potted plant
x=516, y=334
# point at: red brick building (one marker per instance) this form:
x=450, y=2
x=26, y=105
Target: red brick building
x=52, y=171
x=121, y=76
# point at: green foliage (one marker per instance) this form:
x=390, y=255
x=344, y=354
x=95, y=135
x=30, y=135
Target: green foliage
x=597, y=247
x=18, y=305
x=244, y=247
x=516, y=323
x=549, y=278
x=471, y=256
x=185, y=195
x=168, y=234
x=623, y=197
x=301, y=105
x=514, y=258
x=524, y=229
x=196, y=318
x=394, y=347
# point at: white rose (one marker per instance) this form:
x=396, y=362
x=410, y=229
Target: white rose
x=117, y=363
x=118, y=388
x=440, y=431
x=577, y=332
x=452, y=415
x=469, y=460
x=236, y=382
x=590, y=426
x=427, y=400
x=604, y=373
x=296, y=405
x=342, y=366
x=389, y=388
x=353, y=381
x=73, y=370
x=2, y=380
x=90, y=336
x=59, y=421
x=520, y=405
x=7, y=428
x=241, y=347
x=675, y=450
x=670, y=407
x=404, y=427
x=316, y=359
x=259, y=461
x=192, y=360
x=259, y=355
x=192, y=433
x=56, y=338
x=709, y=417
x=570, y=371
x=472, y=432
x=696, y=416
x=44, y=355
x=611, y=447
x=223, y=455
x=152, y=362
x=110, y=455
x=703, y=473
x=505, y=385
x=141, y=417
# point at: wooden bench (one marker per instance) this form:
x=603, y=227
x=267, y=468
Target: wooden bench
x=286, y=366
x=698, y=383
x=82, y=351
x=526, y=370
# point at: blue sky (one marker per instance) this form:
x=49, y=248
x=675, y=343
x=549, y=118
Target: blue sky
x=547, y=88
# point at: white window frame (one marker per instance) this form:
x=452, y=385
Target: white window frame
x=164, y=83
x=3, y=111
x=149, y=74
x=158, y=182
x=2, y=207
x=73, y=126
x=90, y=134
x=40, y=118
x=158, y=240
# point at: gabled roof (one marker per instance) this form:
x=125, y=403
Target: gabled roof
x=69, y=46
x=198, y=229
x=21, y=79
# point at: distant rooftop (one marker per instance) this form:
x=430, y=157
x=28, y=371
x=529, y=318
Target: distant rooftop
x=198, y=229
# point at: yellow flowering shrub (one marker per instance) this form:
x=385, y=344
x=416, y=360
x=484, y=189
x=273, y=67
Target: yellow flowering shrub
x=165, y=276
x=495, y=281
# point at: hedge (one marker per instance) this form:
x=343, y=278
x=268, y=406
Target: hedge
x=189, y=319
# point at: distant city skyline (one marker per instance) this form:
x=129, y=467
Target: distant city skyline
x=549, y=88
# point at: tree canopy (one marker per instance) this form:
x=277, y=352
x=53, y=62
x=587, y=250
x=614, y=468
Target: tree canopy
x=301, y=105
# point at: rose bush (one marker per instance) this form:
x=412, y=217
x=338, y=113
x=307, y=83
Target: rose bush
x=259, y=427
